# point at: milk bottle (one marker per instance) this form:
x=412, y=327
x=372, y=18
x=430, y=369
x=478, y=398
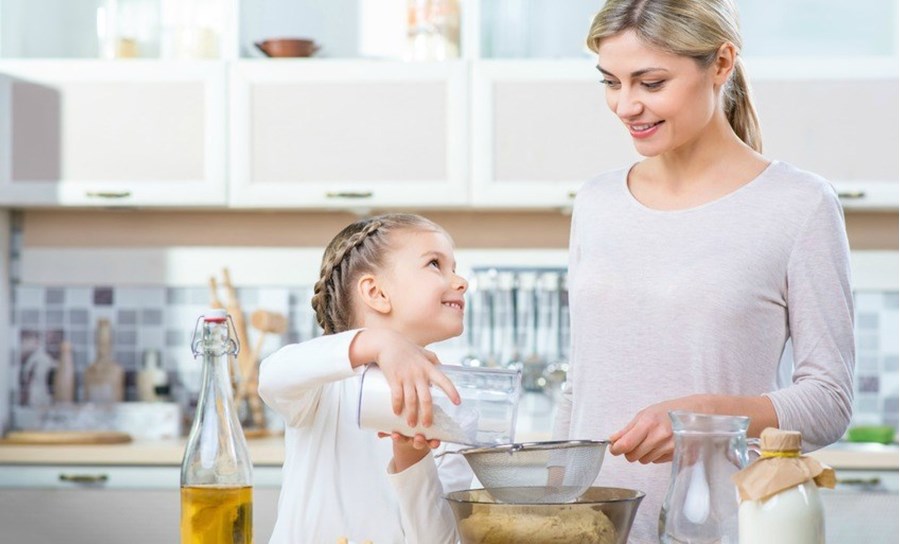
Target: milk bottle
x=780, y=501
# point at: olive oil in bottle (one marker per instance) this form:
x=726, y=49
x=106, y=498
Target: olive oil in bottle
x=216, y=473
x=216, y=514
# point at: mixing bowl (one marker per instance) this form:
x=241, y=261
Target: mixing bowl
x=602, y=515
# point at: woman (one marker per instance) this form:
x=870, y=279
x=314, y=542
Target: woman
x=690, y=269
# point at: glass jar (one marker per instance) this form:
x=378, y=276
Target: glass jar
x=485, y=416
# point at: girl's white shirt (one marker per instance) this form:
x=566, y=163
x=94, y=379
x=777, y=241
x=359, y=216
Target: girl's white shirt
x=338, y=479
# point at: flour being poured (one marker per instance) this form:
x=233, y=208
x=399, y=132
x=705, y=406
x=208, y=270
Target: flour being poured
x=460, y=430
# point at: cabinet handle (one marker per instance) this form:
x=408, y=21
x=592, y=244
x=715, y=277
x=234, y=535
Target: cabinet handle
x=852, y=195
x=572, y=194
x=863, y=482
x=351, y=194
x=108, y=194
x=84, y=478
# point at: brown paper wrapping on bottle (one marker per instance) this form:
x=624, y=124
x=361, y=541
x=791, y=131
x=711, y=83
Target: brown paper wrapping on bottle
x=770, y=475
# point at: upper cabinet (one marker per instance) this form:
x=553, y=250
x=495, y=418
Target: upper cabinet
x=348, y=134
x=401, y=103
x=825, y=86
x=540, y=129
x=95, y=133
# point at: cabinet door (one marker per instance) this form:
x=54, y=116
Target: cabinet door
x=540, y=130
x=347, y=134
x=95, y=133
x=842, y=129
x=90, y=515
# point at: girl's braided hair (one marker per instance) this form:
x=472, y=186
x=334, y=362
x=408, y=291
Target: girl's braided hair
x=359, y=248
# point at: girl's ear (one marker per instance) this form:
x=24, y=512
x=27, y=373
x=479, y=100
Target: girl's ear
x=372, y=295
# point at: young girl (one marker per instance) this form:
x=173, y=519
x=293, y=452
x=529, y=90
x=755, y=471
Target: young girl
x=388, y=288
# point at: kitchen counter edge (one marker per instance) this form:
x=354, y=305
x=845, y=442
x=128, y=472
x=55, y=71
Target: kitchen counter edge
x=270, y=451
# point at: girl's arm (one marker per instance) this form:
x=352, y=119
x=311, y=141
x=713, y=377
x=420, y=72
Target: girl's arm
x=425, y=515
x=291, y=379
x=408, y=368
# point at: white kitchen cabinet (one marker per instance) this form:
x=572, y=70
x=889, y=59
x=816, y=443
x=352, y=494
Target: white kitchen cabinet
x=348, y=134
x=518, y=121
x=539, y=130
x=542, y=128
x=97, y=133
x=836, y=129
x=90, y=504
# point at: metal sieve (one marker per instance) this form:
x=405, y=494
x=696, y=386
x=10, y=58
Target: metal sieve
x=537, y=472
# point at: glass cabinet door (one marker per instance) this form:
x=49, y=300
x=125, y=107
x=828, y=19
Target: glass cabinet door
x=113, y=29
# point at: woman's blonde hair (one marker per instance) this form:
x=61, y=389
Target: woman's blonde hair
x=691, y=28
x=359, y=248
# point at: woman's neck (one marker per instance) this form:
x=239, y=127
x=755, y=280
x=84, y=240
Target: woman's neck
x=716, y=163
x=715, y=150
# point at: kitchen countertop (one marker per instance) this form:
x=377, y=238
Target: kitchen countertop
x=270, y=451
x=263, y=451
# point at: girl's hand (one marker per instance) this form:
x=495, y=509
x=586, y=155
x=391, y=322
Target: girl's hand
x=409, y=369
x=648, y=436
x=409, y=451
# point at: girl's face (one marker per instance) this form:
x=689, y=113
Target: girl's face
x=425, y=292
x=664, y=100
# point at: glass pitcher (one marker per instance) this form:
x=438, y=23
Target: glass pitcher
x=701, y=506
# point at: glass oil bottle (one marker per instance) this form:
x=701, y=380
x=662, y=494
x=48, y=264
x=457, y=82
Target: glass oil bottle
x=216, y=473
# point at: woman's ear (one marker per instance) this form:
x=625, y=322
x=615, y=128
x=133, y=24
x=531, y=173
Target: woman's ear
x=726, y=58
x=372, y=295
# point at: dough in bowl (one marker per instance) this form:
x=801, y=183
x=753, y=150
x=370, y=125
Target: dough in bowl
x=567, y=525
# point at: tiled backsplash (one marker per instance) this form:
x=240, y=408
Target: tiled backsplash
x=142, y=318
x=161, y=318
x=877, y=328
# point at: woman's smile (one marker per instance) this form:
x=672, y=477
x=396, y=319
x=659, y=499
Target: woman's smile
x=643, y=130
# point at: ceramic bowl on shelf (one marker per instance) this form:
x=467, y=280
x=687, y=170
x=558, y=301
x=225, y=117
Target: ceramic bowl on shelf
x=287, y=47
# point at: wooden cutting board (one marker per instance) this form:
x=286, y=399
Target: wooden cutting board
x=65, y=437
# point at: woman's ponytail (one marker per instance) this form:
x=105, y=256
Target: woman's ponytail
x=740, y=110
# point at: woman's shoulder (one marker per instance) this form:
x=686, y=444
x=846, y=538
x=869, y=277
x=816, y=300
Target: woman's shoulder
x=608, y=181
x=797, y=182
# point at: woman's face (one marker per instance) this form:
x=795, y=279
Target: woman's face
x=425, y=292
x=664, y=100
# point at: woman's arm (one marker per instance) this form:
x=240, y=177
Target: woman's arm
x=648, y=436
x=819, y=403
x=820, y=319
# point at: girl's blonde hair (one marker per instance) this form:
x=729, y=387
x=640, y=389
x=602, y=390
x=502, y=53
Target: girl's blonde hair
x=691, y=28
x=359, y=248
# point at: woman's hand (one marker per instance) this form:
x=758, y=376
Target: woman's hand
x=408, y=368
x=647, y=438
x=409, y=451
